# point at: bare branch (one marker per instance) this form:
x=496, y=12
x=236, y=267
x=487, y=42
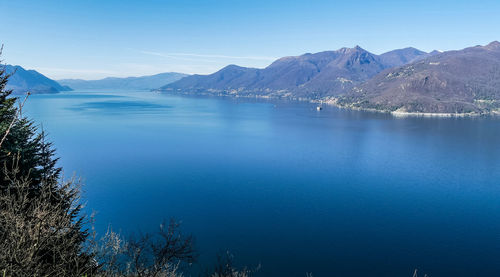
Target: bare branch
x=16, y=117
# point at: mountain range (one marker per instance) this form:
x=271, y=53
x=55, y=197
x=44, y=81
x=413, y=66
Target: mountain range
x=403, y=81
x=143, y=82
x=307, y=76
x=310, y=76
x=23, y=80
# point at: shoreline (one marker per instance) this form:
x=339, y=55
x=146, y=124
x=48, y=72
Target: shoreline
x=401, y=114
x=419, y=114
x=332, y=101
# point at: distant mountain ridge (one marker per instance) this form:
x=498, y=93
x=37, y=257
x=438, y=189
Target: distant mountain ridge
x=403, y=56
x=143, y=82
x=23, y=80
x=317, y=75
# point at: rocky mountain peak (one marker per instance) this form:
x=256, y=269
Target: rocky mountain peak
x=495, y=45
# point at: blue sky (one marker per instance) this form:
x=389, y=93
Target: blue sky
x=94, y=39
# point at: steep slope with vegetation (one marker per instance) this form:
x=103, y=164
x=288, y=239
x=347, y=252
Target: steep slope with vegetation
x=463, y=82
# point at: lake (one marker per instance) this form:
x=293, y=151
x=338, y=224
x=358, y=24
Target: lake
x=278, y=183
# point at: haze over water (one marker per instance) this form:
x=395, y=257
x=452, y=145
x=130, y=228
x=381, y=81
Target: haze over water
x=334, y=192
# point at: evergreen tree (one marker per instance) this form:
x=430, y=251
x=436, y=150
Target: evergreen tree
x=41, y=226
x=24, y=145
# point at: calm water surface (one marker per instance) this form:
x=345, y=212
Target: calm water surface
x=336, y=193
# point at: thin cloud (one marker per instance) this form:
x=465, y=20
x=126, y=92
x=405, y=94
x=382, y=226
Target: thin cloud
x=68, y=70
x=175, y=57
x=182, y=55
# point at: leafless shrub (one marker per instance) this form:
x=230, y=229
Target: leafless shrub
x=415, y=273
x=15, y=118
x=40, y=235
x=152, y=254
x=108, y=252
x=225, y=267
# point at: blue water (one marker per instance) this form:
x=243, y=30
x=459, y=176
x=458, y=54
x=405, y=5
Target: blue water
x=334, y=192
